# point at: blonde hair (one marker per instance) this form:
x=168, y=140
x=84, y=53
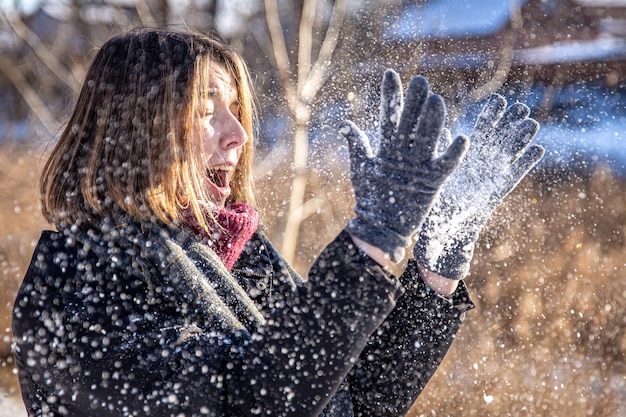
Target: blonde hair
x=127, y=145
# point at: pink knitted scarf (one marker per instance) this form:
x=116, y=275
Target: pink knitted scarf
x=236, y=223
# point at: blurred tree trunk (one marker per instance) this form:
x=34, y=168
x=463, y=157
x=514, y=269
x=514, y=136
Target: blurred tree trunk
x=301, y=82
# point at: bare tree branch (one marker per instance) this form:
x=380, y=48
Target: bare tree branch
x=264, y=41
x=64, y=36
x=299, y=94
x=39, y=109
x=144, y=13
x=281, y=56
x=48, y=59
x=310, y=207
x=305, y=42
x=319, y=72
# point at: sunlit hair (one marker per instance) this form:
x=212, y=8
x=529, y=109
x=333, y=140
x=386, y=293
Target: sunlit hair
x=128, y=143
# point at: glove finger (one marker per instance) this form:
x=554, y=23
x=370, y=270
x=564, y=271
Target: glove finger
x=521, y=167
x=358, y=143
x=516, y=111
x=512, y=116
x=520, y=137
x=429, y=128
x=488, y=117
x=416, y=95
x=453, y=156
x=497, y=142
x=444, y=141
x=390, y=109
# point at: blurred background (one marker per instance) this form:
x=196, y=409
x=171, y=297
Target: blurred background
x=548, y=336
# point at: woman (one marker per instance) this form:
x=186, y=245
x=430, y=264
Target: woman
x=157, y=295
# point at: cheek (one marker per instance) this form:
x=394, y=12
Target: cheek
x=207, y=127
x=204, y=138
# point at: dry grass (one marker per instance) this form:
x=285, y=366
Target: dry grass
x=20, y=226
x=548, y=335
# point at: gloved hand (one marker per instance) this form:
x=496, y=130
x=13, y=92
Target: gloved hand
x=396, y=187
x=500, y=155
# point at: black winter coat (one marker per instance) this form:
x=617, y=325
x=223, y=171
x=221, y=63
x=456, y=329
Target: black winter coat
x=136, y=320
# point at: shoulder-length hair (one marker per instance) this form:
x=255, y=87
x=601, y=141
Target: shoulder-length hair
x=127, y=145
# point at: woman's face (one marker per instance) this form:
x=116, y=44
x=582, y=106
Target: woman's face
x=218, y=135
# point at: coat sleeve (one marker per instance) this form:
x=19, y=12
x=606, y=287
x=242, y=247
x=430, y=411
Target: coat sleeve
x=299, y=359
x=403, y=354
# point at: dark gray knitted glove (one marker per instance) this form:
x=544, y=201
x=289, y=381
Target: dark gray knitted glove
x=396, y=187
x=500, y=155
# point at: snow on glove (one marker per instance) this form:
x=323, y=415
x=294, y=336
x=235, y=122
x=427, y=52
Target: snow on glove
x=500, y=155
x=396, y=187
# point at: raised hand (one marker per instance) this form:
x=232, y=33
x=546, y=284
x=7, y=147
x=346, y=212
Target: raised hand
x=396, y=186
x=500, y=155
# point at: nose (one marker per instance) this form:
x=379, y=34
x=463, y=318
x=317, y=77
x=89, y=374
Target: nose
x=233, y=133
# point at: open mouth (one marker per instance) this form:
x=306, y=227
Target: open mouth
x=219, y=182
x=218, y=177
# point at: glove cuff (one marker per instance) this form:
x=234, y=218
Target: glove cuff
x=380, y=236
